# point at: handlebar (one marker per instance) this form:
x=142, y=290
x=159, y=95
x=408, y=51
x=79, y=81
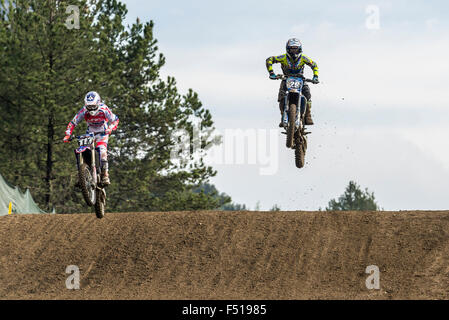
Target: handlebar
x=93, y=134
x=284, y=77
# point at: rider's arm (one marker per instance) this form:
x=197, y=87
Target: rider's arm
x=112, y=119
x=270, y=61
x=312, y=64
x=75, y=121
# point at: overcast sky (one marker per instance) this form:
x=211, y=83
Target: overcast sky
x=381, y=110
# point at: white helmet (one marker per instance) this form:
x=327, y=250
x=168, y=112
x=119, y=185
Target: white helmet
x=92, y=102
x=294, y=49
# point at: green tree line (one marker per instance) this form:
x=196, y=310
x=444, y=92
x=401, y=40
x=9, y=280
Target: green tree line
x=47, y=68
x=354, y=199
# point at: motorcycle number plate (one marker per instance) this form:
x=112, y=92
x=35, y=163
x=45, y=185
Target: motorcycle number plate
x=86, y=141
x=294, y=84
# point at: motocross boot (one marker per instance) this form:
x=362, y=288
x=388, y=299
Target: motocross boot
x=105, y=178
x=104, y=173
x=308, y=116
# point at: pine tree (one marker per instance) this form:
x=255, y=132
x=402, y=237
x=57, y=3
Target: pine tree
x=44, y=77
x=46, y=70
x=354, y=199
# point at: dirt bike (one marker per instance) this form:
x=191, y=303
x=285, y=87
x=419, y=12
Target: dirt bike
x=293, y=121
x=89, y=172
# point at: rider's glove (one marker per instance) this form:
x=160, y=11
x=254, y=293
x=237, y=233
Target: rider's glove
x=315, y=79
x=273, y=76
x=66, y=139
x=108, y=131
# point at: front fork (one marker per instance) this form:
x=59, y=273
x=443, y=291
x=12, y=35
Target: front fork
x=285, y=113
x=301, y=109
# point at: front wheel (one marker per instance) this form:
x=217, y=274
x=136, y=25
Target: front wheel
x=87, y=184
x=291, y=125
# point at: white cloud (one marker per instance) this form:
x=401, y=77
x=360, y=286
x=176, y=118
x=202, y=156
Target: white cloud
x=299, y=29
x=432, y=24
x=433, y=141
x=381, y=69
x=401, y=175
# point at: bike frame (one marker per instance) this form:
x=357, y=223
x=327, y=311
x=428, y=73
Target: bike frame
x=84, y=154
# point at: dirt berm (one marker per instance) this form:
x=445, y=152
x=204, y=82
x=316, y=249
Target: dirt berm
x=226, y=255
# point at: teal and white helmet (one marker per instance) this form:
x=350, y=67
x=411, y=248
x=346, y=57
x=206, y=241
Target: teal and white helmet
x=92, y=102
x=294, y=49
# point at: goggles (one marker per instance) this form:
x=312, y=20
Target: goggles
x=92, y=107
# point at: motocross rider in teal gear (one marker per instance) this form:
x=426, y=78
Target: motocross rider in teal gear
x=292, y=63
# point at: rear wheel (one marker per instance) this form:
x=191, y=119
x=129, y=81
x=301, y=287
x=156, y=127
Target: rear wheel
x=300, y=150
x=100, y=204
x=87, y=184
x=291, y=125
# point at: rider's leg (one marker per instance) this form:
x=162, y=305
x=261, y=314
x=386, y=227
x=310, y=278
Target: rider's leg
x=102, y=144
x=308, y=116
x=281, y=100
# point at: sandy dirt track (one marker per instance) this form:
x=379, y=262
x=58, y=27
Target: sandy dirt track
x=226, y=255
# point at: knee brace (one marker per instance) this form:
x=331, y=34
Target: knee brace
x=103, y=152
